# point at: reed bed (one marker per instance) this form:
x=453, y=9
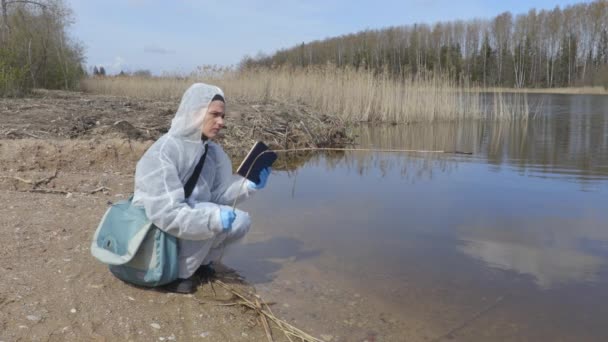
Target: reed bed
x=350, y=94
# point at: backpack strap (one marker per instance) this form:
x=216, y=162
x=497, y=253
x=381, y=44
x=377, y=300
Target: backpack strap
x=189, y=187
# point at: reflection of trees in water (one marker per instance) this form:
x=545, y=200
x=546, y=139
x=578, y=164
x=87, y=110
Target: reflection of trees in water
x=364, y=163
x=569, y=138
x=462, y=136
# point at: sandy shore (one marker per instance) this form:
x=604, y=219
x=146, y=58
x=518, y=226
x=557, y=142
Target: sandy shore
x=63, y=157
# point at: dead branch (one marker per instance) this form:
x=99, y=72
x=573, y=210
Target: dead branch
x=264, y=322
x=27, y=181
x=101, y=188
x=46, y=180
x=47, y=191
x=307, y=131
x=30, y=135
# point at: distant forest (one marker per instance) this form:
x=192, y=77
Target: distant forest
x=543, y=48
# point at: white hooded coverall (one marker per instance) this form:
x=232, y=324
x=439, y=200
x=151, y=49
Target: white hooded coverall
x=163, y=170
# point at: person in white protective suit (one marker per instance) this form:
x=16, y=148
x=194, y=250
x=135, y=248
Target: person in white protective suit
x=204, y=223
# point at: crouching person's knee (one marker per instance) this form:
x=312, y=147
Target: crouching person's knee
x=241, y=225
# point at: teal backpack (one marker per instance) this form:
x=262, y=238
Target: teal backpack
x=135, y=249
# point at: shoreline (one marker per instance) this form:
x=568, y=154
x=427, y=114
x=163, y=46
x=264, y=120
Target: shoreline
x=556, y=91
x=63, y=158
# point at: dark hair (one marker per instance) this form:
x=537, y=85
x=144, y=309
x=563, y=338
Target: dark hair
x=218, y=97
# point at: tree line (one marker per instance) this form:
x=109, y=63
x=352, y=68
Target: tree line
x=35, y=49
x=542, y=48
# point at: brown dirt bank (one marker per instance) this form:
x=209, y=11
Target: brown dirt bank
x=63, y=156
x=57, y=114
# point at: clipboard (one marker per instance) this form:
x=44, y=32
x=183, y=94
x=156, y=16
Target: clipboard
x=266, y=159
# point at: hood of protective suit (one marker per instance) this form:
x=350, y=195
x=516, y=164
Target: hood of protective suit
x=189, y=118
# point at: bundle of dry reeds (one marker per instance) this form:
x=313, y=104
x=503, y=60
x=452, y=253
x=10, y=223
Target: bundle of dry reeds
x=262, y=309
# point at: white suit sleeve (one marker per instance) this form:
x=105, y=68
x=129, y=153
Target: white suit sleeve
x=159, y=188
x=227, y=186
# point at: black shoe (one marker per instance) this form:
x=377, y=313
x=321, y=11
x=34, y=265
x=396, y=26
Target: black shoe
x=184, y=286
x=205, y=272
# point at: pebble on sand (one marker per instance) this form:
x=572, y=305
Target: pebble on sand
x=33, y=318
x=155, y=325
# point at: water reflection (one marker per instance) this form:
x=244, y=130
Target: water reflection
x=553, y=251
x=436, y=237
x=410, y=166
x=568, y=139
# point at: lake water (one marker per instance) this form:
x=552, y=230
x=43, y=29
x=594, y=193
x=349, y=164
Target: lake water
x=510, y=243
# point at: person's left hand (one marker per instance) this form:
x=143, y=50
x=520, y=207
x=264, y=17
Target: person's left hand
x=264, y=174
x=227, y=217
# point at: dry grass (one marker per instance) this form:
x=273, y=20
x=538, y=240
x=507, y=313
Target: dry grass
x=352, y=95
x=160, y=88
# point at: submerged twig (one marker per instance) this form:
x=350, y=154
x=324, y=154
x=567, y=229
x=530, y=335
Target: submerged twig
x=450, y=333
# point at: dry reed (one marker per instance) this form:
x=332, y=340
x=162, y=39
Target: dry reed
x=265, y=314
x=350, y=94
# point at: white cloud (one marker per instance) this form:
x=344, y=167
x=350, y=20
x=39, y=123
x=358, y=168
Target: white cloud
x=550, y=250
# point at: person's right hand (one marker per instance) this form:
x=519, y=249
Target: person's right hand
x=227, y=216
x=264, y=174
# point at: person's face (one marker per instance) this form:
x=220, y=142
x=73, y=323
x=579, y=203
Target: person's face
x=214, y=119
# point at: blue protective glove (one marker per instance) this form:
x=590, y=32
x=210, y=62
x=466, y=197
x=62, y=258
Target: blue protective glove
x=264, y=174
x=227, y=216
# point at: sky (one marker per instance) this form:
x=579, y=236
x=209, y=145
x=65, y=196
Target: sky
x=176, y=36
